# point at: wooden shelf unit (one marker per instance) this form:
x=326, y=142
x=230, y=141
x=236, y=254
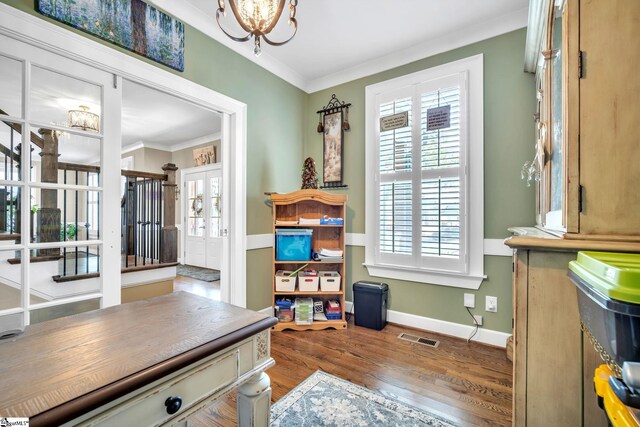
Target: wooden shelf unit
x=312, y=204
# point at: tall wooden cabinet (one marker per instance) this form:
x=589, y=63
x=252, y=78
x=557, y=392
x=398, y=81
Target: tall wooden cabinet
x=582, y=52
x=312, y=204
x=588, y=85
x=553, y=363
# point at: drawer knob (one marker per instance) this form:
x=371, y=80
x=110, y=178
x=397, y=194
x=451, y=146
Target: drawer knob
x=173, y=404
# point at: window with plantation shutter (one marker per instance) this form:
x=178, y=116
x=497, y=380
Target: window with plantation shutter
x=424, y=195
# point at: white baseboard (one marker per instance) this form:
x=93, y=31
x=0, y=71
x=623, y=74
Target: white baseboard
x=486, y=336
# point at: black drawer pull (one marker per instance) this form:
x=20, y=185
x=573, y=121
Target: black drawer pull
x=173, y=404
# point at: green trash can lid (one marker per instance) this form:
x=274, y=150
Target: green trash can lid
x=615, y=275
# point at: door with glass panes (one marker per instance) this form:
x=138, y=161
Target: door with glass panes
x=203, y=220
x=59, y=169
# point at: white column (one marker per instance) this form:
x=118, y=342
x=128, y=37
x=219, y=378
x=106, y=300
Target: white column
x=254, y=401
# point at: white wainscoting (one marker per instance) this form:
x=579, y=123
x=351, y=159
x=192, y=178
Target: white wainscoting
x=493, y=247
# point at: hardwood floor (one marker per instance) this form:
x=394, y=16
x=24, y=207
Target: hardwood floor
x=467, y=383
x=198, y=287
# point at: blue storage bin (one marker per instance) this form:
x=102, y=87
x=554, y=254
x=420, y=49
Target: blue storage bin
x=293, y=244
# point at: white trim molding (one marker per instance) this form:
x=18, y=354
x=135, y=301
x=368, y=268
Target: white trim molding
x=176, y=147
x=492, y=247
x=143, y=277
x=259, y=241
x=496, y=247
x=485, y=336
x=482, y=31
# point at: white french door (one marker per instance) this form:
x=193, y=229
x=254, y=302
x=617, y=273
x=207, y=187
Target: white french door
x=203, y=221
x=47, y=221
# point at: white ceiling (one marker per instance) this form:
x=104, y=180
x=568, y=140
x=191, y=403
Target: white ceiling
x=163, y=121
x=340, y=40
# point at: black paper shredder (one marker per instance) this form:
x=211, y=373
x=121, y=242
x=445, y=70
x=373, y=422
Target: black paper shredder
x=370, y=304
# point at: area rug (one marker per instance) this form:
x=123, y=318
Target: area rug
x=204, y=274
x=325, y=400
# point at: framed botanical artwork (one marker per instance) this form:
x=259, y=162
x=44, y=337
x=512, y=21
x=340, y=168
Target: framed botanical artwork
x=131, y=24
x=332, y=153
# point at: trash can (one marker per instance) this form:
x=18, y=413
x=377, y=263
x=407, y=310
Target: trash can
x=370, y=304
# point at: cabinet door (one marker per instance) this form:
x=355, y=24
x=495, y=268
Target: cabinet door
x=554, y=344
x=609, y=110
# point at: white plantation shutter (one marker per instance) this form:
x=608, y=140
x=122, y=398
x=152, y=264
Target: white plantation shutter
x=421, y=196
x=424, y=180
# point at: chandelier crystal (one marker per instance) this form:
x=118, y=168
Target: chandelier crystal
x=84, y=119
x=258, y=18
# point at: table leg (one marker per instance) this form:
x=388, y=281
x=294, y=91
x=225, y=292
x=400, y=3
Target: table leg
x=254, y=401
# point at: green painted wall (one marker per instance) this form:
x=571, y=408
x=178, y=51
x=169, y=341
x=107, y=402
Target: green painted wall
x=281, y=133
x=274, y=133
x=509, y=102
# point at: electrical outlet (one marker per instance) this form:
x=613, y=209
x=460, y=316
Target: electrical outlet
x=469, y=300
x=478, y=319
x=491, y=304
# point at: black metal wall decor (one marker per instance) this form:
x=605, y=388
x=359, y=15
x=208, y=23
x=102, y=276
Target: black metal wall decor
x=333, y=121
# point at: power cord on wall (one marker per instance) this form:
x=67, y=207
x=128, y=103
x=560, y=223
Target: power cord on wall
x=475, y=331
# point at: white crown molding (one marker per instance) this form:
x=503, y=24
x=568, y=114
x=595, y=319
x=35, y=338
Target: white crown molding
x=132, y=147
x=173, y=148
x=482, y=31
x=196, y=141
x=199, y=20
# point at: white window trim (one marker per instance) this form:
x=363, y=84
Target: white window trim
x=475, y=178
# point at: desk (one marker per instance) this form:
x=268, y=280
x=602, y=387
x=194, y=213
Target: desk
x=134, y=363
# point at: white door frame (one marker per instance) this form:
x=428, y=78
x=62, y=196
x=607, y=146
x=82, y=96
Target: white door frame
x=38, y=32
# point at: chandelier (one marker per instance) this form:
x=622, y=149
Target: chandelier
x=83, y=119
x=257, y=18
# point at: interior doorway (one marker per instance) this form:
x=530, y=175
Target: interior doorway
x=202, y=222
x=120, y=66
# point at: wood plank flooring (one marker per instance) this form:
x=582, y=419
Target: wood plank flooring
x=467, y=383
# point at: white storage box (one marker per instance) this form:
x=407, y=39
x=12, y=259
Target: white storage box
x=329, y=281
x=284, y=282
x=307, y=283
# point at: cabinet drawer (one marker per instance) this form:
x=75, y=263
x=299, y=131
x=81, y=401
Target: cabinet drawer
x=148, y=409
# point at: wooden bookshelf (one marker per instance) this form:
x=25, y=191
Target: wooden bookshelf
x=312, y=204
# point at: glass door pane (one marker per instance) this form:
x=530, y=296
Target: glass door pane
x=215, y=209
x=196, y=207
x=11, y=83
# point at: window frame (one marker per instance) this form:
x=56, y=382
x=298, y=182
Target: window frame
x=471, y=274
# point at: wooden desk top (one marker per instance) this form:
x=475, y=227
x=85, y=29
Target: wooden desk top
x=57, y=370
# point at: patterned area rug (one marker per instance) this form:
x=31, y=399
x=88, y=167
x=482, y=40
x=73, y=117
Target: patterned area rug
x=325, y=400
x=204, y=274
